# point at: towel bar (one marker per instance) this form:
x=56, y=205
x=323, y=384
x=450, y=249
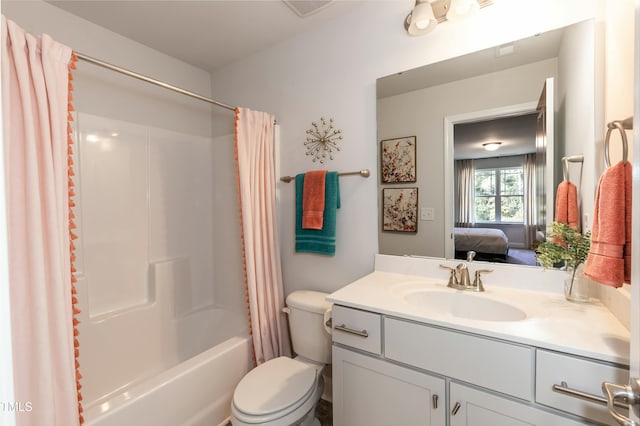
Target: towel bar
x=364, y=173
x=621, y=125
x=565, y=164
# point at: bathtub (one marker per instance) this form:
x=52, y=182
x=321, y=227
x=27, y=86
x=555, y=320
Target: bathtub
x=196, y=392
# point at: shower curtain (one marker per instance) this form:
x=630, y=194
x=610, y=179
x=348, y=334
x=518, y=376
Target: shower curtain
x=263, y=274
x=35, y=102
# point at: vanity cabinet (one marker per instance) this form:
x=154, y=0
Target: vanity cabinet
x=369, y=391
x=389, y=370
x=474, y=407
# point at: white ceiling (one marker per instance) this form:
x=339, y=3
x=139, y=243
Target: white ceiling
x=208, y=34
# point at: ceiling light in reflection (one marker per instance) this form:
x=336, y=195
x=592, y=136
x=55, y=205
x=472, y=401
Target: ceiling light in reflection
x=491, y=146
x=92, y=138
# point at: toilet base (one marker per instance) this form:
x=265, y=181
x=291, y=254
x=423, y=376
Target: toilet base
x=310, y=419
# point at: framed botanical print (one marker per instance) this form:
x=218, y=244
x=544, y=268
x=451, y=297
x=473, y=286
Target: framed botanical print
x=398, y=160
x=400, y=209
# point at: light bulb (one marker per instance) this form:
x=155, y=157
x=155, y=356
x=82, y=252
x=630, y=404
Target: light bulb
x=422, y=19
x=422, y=24
x=462, y=9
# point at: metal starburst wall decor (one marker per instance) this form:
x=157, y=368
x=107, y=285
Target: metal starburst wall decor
x=322, y=140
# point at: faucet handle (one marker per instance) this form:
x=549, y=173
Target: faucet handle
x=477, y=281
x=453, y=278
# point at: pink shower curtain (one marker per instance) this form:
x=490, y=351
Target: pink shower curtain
x=263, y=275
x=35, y=88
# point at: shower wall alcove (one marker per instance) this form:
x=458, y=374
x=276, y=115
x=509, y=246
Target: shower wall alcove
x=149, y=208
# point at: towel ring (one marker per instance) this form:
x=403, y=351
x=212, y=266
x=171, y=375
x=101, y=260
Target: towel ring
x=625, y=150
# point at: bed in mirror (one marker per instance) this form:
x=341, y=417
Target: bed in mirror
x=490, y=130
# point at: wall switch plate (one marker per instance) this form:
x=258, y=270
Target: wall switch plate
x=427, y=213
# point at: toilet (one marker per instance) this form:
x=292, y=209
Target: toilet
x=284, y=391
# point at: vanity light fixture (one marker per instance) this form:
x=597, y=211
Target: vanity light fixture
x=426, y=14
x=491, y=146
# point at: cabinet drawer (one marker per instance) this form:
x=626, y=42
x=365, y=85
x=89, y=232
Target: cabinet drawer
x=579, y=374
x=492, y=364
x=358, y=329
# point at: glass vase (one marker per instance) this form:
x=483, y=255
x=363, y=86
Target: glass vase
x=576, y=286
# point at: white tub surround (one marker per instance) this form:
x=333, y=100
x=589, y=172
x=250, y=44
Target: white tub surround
x=518, y=350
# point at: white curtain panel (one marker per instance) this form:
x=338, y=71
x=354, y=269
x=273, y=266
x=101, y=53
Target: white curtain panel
x=263, y=274
x=464, y=193
x=34, y=107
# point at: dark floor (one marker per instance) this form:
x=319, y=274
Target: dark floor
x=324, y=413
x=522, y=257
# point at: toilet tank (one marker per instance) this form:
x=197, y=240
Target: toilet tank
x=309, y=337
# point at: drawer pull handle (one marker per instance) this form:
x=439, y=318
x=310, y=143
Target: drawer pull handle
x=563, y=388
x=361, y=333
x=434, y=401
x=456, y=408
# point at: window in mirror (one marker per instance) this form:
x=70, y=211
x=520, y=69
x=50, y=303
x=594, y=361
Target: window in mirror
x=499, y=195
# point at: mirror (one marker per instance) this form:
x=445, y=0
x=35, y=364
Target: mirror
x=454, y=107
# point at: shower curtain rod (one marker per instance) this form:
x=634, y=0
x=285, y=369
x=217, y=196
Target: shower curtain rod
x=151, y=80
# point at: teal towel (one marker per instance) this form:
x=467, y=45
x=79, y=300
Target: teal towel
x=320, y=241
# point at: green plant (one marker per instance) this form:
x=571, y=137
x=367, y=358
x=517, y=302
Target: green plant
x=565, y=247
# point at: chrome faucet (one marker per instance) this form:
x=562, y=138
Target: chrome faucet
x=459, y=277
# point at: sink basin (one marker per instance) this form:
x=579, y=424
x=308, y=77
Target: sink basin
x=465, y=305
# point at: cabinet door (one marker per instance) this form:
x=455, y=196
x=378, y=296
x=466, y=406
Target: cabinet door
x=371, y=392
x=472, y=407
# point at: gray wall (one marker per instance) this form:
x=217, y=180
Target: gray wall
x=332, y=71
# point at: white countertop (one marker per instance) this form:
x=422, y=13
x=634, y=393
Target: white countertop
x=584, y=329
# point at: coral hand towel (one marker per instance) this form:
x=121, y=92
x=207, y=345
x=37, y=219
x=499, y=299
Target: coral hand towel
x=611, y=219
x=567, y=204
x=313, y=199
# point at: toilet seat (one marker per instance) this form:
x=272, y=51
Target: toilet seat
x=275, y=390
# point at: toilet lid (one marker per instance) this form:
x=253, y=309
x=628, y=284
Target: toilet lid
x=274, y=386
